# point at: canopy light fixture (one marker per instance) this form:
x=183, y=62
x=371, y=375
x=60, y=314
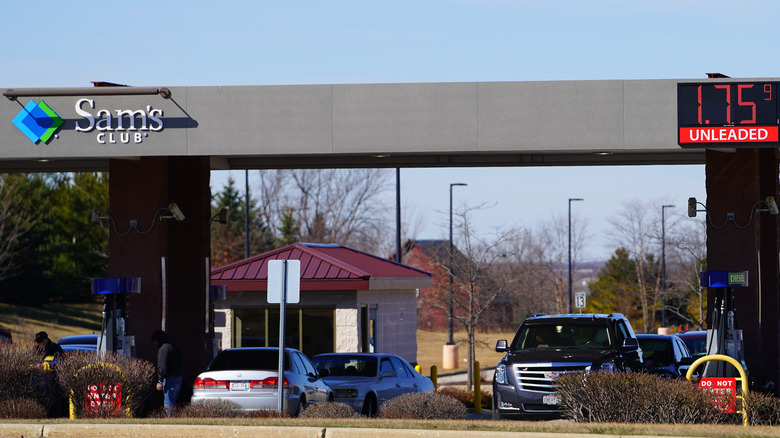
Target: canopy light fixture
x=13, y=94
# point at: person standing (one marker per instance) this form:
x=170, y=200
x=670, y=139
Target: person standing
x=48, y=353
x=168, y=370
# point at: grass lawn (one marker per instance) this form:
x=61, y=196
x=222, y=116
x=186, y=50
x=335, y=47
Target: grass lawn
x=57, y=320
x=430, y=348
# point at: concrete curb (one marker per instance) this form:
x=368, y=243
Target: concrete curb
x=205, y=431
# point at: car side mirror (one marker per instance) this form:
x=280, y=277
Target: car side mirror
x=687, y=361
x=501, y=346
x=630, y=344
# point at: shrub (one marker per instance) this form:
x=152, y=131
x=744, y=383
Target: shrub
x=423, y=406
x=214, y=408
x=467, y=397
x=763, y=409
x=21, y=408
x=17, y=376
x=268, y=413
x=329, y=410
x=634, y=398
x=83, y=375
x=19, y=379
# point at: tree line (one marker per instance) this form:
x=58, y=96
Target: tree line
x=50, y=249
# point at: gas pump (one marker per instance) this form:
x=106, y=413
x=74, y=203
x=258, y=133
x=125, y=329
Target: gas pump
x=113, y=335
x=723, y=337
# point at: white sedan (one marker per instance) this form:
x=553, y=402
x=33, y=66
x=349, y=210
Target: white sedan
x=366, y=380
x=249, y=377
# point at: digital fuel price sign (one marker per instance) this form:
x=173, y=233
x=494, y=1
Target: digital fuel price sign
x=727, y=113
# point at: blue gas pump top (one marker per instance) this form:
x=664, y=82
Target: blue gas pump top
x=724, y=278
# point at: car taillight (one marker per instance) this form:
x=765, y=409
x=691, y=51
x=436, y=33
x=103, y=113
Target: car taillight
x=267, y=382
x=209, y=383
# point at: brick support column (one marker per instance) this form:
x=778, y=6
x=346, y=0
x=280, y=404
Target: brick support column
x=735, y=181
x=138, y=189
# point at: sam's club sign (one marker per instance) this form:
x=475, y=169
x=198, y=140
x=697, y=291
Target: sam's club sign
x=40, y=123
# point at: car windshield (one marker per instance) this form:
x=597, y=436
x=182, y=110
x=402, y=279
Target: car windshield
x=267, y=360
x=346, y=365
x=562, y=335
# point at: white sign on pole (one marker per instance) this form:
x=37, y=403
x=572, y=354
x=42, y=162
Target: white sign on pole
x=579, y=300
x=291, y=281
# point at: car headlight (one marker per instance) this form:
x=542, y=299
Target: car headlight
x=501, y=374
x=608, y=367
x=345, y=393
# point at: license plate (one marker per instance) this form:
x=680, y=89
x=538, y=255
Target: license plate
x=239, y=386
x=551, y=399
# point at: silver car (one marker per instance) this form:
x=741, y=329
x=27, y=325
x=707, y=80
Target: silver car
x=366, y=380
x=249, y=377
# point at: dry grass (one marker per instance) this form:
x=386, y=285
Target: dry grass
x=430, y=347
x=58, y=320
x=553, y=427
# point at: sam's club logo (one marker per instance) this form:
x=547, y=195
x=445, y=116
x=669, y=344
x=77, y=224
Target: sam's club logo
x=38, y=122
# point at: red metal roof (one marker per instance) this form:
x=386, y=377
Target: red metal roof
x=323, y=267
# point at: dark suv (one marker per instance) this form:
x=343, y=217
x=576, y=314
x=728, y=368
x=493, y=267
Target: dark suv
x=547, y=346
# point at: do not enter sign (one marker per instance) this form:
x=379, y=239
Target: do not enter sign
x=725, y=391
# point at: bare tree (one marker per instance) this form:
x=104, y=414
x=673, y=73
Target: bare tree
x=346, y=206
x=475, y=287
x=634, y=230
x=17, y=217
x=686, y=255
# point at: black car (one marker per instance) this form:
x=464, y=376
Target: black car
x=665, y=355
x=547, y=346
x=696, y=341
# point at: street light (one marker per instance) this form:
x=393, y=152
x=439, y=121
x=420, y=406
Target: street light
x=571, y=308
x=451, y=342
x=663, y=262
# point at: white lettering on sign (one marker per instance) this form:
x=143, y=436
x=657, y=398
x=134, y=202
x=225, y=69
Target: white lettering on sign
x=730, y=134
x=110, y=126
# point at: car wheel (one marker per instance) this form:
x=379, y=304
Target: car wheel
x=496, y=414
x=301, y=406
x=369, y=406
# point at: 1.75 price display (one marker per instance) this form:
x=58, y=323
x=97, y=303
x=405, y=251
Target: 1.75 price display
x=728, y=113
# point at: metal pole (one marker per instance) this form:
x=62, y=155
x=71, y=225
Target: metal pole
x=280, y=376
x=663, y=263
x=398, y=214
x=451, y=341
x=246, y=215
x=571, y=307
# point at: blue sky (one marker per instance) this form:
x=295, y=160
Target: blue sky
x=190, y=43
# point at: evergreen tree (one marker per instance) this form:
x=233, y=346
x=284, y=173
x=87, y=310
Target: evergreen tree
x=64, y=250
x=615, y=289
x=289, y=231
x=228, y=241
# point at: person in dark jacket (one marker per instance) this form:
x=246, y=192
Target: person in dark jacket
x=48, y=355
x=168, y=369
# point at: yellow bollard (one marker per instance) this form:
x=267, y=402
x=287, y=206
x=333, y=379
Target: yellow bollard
x=477, y=389
x=435, y=377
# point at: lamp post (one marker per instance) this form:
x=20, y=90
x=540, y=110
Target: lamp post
x=663, y=263
x=571, y=308
x=451, y=342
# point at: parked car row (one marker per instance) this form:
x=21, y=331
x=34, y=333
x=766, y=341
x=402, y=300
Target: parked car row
x=249, y=376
